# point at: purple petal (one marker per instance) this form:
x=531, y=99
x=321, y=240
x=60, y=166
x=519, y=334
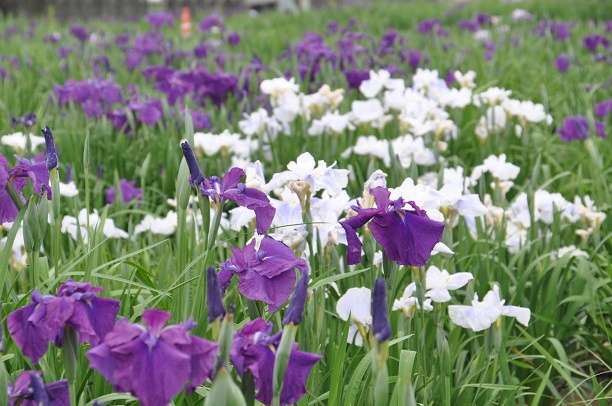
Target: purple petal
x=275, y=258
x=274, y=291
x=29, y=336
x=257, y=201
x=155, y=319
x=406, y=238
x=230, y=180
x=94, y=317
x=294, y=386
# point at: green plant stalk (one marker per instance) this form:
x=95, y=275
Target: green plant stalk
x=70, y=353
x=33, y=258
x=283, y=352
x=226, y=336
x=14, y=195
x=57, y=227
x=248, y=388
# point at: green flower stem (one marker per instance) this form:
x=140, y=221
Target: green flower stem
x=70, y=353
x=283, y=353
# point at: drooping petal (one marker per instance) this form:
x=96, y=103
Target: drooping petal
x=29, y=336
x=257, y=201
x=94, y=317
x=476, y=319
x=202, y=355
x=275, y=257
x=353, y=252
x=231, y=179
x=522, y=314
x=154, y=375
x=274, y=291
x=458, y=280
x=438, y=295
x=406, y=237
x=298, y=369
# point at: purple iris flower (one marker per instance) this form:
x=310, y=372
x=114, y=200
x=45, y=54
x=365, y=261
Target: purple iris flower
x=574, y=128
x=355, y=77
x=200, y=51
x=8, y=210
x=153, y=363
x=211, y=21
x=36, y=171
x=128, y=191
x=233, y=38
x=600, y=129
x=75, y=305
x=30, y=390
x=231, y=188
x=592, y=41
x=407, y=236
x=266, y=274
x=201, y=120
x=604, y=108
x=79, y=32
x=469, y=25
x=562, y=63
x=149, y=112
x=427, y=26
x=28, y=120
x=254, y=350
x=158, y=20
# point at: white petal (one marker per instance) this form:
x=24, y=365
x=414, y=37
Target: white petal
x=458, y=280
x=522, y=314
x=356, y=302
x=470, y=205
x=438, y=295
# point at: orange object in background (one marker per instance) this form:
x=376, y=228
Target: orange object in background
x=186, y=22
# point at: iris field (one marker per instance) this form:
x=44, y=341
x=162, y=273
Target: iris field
x=400, y=204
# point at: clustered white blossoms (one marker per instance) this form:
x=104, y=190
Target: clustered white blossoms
x=355, y=304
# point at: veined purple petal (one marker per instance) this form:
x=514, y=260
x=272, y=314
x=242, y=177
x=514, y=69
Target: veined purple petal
x=272, y=290
x=255, y=200
x=406, y=238
x=28, y=331
x=300, y=364
x=94, y=317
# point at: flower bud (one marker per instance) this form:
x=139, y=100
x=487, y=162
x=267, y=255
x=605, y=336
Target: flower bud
x=295, y=309
x=380, y=315
x=50, y=147
x=214, y=302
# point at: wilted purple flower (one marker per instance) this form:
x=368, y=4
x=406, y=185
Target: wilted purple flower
x=211, y=21
x=562, y=63
x=254, y=350
x=381, y=328
x=295, y=310
x=128, y=191
x=267, y=274
x=231, y=188
x=153, y=363
x=30, y=390
x=79, y=32
x=214, y=302
x=233, y=38
x=75, y=305
x=592, y=41
x=51, y=161
x=158, y=20
x=574, y=128
x=407, y=236
x=604, y=108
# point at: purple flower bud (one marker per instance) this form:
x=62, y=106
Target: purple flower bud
x=295, y=309
x=68, y=173
x=100, y=173
x=216, y=310
x=194, y=169
x=50, y=147
x=380, y=315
